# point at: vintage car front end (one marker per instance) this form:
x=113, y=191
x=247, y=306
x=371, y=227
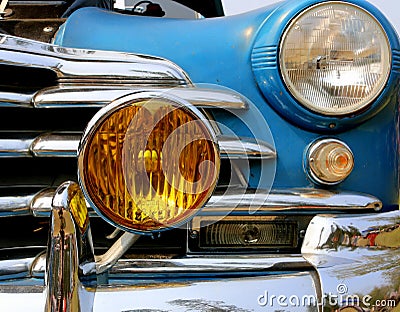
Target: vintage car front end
x=243, y=163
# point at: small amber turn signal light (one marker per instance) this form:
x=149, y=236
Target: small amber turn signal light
x=148, y=162
x=329, y=161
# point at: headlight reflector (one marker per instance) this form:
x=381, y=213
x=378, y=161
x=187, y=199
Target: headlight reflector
x=335, y=58
x=147, y=163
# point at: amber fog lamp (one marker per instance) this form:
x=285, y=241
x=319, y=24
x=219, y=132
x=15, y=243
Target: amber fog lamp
x=147, y=163
x=329, y=161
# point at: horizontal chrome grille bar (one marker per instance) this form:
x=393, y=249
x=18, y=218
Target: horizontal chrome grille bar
x=187, y=265
x=244, y=148
x=98, y=96
x=68, y=64
x=277, y=201
x=302, y=199
x=39, y=145
x=78, y=67
x=66, y=145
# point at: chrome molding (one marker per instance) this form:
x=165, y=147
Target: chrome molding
x=101, y=68
x=35, y=267
x=296, y=200
x=15, y=268
x=39, y=144
x=117, y=250
x=216, y=293
x=245, y=148
x=104, y=77
x=66, y=145
x=62, y=145
x=69, y=252
x=356, y=255
x=98, y=96
x=276, y=201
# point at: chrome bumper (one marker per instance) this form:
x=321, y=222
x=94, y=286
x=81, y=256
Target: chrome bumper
x=246, y=293
x=344, y=257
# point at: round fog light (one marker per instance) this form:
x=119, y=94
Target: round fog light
x=329, y=161
x=148, y=162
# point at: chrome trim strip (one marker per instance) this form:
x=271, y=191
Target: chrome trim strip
x=244, y=148
x=247, y=293
x=341, y=235
x=186, y=265
x=11, y=99
x=69, y=251
x=15, y=268
x=98, y=96
x=66, y=145
x=212, y=264
x=11, y=206
x=104, y=77
x=356, y=256
x=116, y=251
x=102, y=68
x=16, y=145
x=49, y=145
x=39, y=145
x=291, y=200
x=276, y=201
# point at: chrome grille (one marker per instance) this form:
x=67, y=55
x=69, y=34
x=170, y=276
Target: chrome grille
x=42, y=122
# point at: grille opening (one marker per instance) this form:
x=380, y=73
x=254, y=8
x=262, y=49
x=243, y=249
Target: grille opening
x=22, y=237
x=25, y=79
x=37, y=172
x=57, y=119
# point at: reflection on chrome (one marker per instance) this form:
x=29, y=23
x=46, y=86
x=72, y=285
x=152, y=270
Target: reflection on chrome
x=39, y=204
x=98, y=96
x=70, y=251
x=362, y=252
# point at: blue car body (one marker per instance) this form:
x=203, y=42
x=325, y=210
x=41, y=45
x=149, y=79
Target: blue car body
x=270, y=236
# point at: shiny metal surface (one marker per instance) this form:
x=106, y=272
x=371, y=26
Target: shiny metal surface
x=16, y=145
x=18, y=205
x=210, y=294
x=188, y=265
x=292, y=200
x=39, y=144
x=98, y=96
x=101, y=68
x=209, y=264
x=117, y=250
x=309, y=200
x=245, y=148
x=70, y=251
x=61, y=145
x=66, y=145
x=15, y=268
x=356, y=255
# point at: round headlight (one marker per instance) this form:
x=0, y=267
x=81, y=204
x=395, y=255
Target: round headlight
x=147, y=163
x=335, y=58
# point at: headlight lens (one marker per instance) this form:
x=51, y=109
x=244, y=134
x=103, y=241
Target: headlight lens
x=335, y=58
x=147, y=164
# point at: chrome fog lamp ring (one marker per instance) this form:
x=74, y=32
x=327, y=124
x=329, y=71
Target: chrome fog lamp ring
x=335, y=58
x=329, y=161
x=148, y=162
